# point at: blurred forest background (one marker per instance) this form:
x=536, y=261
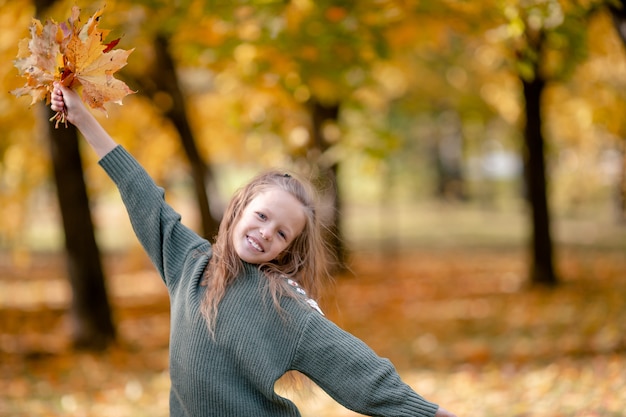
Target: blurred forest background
x=472, y=158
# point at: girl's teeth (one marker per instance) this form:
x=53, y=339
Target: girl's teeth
x=254, y=245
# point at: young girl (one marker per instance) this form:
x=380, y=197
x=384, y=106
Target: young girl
x=240, y=316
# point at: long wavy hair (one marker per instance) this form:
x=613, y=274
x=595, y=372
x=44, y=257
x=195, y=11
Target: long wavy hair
x=306, y=260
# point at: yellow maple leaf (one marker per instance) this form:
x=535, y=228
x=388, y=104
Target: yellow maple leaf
x=76, y=56
x=91, y=64
x=38, y=60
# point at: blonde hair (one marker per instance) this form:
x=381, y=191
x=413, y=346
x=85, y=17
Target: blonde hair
x=305, y=260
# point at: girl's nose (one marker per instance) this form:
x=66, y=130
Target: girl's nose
x=265, y=234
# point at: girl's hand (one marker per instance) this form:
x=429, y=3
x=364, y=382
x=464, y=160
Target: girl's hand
x=66, y=101
x=56, y=100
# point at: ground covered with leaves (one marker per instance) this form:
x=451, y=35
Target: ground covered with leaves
x=462, y=327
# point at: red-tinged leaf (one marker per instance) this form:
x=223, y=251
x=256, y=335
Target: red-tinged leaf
x=111, y=45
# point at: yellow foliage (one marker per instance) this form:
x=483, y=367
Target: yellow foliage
x=75, y=56
x=246, y=91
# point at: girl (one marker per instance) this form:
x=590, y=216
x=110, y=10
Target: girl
x=240, y=316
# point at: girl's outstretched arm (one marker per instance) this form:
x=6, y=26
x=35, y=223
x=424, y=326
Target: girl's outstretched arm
x=65, y=99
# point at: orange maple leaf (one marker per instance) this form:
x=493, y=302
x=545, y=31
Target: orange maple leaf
x=38, y=60
x=76, y=56
x=91, y=64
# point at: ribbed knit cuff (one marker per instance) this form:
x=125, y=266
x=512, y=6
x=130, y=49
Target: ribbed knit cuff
x=118, y=163
x=424, y=408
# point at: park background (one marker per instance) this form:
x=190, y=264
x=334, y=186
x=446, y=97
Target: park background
x=419, y=113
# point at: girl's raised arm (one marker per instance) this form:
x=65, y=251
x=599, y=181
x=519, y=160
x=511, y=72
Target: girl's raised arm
x=65, y=99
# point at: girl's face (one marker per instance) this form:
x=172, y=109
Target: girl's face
x=268, y=224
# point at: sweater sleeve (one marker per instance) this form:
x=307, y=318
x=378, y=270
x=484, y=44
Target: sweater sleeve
x=155, y=223
x=351, y=373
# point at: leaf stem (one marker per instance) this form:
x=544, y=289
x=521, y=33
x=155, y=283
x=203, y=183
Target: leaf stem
x=60, y=117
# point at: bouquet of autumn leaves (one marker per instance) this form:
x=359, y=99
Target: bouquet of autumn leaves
x=74, y=55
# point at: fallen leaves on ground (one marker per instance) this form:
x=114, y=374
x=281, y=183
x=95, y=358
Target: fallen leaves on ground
x=461, y=326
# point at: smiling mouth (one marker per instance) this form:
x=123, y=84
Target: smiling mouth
x=254, y=244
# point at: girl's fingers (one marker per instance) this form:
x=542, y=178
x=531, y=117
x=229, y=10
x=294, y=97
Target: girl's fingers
x=57, y=92
x=57, y=100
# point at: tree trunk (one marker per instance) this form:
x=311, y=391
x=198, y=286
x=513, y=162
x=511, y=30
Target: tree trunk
x=619, y=21
x=166, y=80
x=621, y=186
x=619, y=18
x=322, y=114
x=90, y=313
x=448, y=156
x=542, y=266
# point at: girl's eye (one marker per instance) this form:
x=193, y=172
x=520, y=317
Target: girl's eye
x=282, y=234
x=261, y=216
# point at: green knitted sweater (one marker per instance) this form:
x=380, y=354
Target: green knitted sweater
x=234, y=373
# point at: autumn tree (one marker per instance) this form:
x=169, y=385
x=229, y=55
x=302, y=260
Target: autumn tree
x=544, y=41
x=166, y=80
x=547, y=40
x=160, y=79
x=434, y=79
x=316, y=53
x=90, y=310
x=328, y=43
x=150, y=27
